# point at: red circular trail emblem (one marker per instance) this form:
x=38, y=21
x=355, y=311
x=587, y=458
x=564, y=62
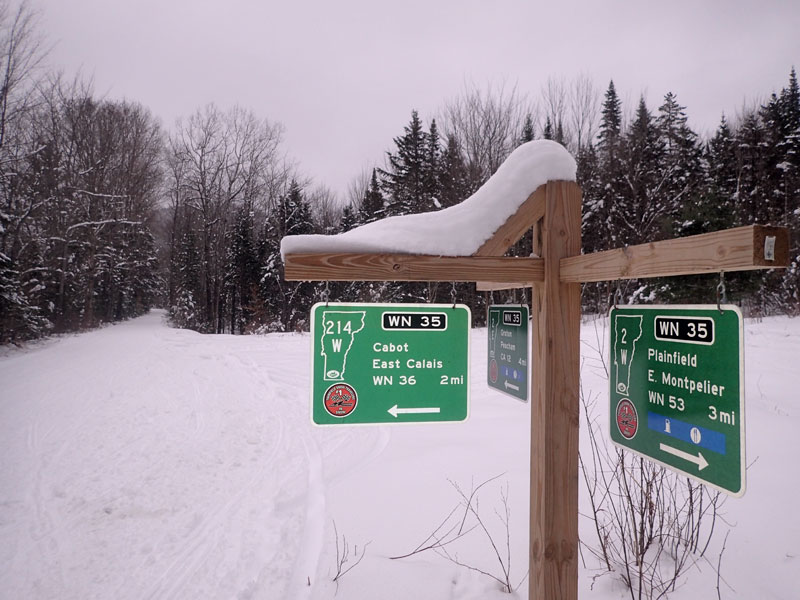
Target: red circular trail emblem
x=340, y=399
x=493, y=371
x=627, y=418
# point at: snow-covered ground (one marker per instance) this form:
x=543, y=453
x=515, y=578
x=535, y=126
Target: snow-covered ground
x=140, y=461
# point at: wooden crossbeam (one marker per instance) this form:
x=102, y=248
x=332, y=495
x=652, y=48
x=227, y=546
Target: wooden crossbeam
x=739, y=249
x=409, y=267
x=494, y=286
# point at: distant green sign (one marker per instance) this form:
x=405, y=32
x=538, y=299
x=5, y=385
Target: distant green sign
x=677, y=389
x=507, y=357
x=389, y=363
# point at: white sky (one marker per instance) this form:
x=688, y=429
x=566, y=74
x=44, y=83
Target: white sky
x=343, y=75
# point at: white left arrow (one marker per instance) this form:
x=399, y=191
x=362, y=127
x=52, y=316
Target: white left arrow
x=394, y=411
x=701, y=462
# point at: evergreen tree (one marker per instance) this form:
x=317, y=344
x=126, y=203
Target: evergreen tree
x=548, y=129
x=294, y=216
x=559, y=136
x=404, y=181
x=715, y=209
x=138, y=285
x=780, y=183
x=640, y=214
x=611, y=121
x=610, y=188
x=528, y=132
x=789, y=144
x=790, y=182
x=751, y=201
x=243, y=270
x=431, y=191
x=373, y=205
x=186, y=312
x=349, y=219
x=681, y=167
x=453, y=175
x=20, y=318
x=593, y=295
x=287, y=303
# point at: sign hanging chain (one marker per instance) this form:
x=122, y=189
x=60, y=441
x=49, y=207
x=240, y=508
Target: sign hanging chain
x=453, y=293
x=326, y=293
x=721, y=293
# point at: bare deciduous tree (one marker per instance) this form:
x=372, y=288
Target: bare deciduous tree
x=584, y=108
x=220, y=162
x=487, y=123
x=325, y=208
x=554, y=100
x=358, y=186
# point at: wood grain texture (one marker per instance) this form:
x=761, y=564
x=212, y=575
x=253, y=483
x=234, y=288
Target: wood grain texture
x=515, y=227
x=493, y=286
x=738, y=249
x=555, y=405
x=410, y=267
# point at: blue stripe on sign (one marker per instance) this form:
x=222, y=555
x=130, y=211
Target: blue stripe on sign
x=515, y=374
x=694, y=434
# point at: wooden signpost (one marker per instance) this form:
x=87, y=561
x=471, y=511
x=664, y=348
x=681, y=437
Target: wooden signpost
x=554, y=212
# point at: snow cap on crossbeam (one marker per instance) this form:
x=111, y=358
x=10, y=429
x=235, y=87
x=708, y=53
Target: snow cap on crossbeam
x=457, y=230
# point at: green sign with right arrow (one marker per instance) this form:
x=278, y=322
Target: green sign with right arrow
x=677, y=389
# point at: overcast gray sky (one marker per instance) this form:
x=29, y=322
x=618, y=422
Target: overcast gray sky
x=343, y=75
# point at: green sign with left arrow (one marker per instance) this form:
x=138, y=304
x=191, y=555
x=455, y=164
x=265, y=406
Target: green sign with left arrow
x=389, y=363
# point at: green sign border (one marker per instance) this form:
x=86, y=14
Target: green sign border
x=649, y=439
x=453, y=354
x=523, y=395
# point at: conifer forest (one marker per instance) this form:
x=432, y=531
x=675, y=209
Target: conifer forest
x=106, y=212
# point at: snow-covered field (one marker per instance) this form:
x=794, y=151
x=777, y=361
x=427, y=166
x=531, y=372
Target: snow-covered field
x=144, y=462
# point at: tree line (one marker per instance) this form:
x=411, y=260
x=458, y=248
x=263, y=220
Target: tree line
x=653, y=178
x=79, y=181
x=104, y=214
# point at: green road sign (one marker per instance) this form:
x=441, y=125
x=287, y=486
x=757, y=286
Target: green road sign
x=677, y=389
x=507, y=360
x=389, y=363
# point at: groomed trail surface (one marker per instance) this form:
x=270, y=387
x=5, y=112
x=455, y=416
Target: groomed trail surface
x=144, y=462
x=140, y=461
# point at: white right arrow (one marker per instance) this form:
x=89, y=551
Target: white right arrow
x=511, y=385
x=701, y=462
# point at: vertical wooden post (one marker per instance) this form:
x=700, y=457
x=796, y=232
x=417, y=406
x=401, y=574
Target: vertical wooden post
x=555, y=407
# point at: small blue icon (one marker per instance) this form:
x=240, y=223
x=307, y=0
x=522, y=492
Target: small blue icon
x=694, y=434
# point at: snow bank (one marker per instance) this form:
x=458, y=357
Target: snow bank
x=458, y=230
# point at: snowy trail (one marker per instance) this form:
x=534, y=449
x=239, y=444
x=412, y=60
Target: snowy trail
x=140, y=461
